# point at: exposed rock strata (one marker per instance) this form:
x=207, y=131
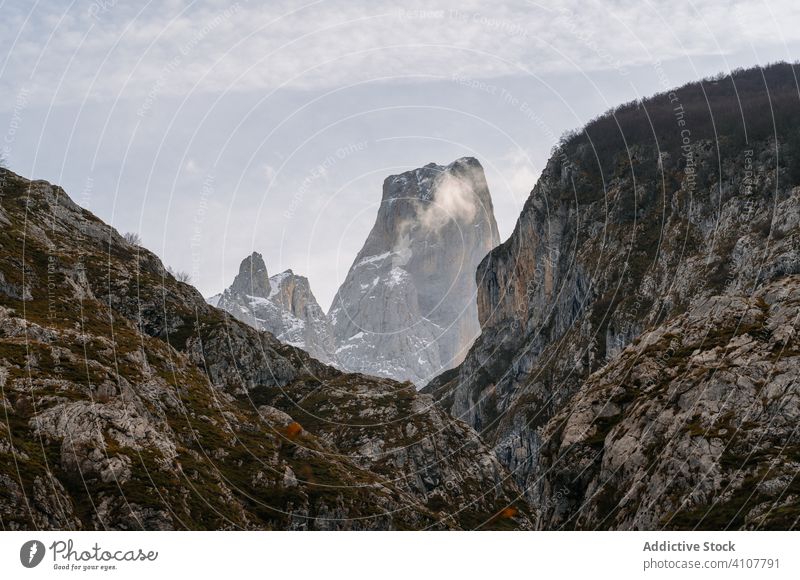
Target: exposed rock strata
x=282, y=304
x=643, y=217
x=407, y=308
x=130, y=403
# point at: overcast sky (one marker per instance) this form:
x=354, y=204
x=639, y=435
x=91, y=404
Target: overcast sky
x=217, y=128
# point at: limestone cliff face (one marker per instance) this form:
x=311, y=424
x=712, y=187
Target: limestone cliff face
x=694, y=425
x=130, y=403
x=623, y=233
x=282, y=304
x=407, y=309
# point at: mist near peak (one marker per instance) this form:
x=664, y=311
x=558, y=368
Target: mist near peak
x=454, y=198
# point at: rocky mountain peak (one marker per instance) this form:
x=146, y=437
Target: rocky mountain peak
x=282, y=304
x=252, y=278
x=292, y=291
x=435, y=195
x=412, y=285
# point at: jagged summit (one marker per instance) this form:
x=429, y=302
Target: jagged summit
x=406, y=309
x=421, y=183
x=252, y=278
x=282, y=304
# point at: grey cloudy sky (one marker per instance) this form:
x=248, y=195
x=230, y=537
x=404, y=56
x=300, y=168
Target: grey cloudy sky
x=216, y=128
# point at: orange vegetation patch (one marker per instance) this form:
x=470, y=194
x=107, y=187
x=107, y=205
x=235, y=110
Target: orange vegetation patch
x=509, y=512
x=293, y=430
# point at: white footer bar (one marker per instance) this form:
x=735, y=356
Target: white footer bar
x=423, y=555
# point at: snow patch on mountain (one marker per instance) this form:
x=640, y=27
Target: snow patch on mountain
x=407, y=308
x=282, y=304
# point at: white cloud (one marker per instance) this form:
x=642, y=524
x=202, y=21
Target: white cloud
x=519, y=172
x=102, y=48
x=152, y=55
x=453, y=199
x=269, y=173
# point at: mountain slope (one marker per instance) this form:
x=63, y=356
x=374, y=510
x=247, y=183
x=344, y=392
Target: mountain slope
x=646, y=214
x=130, y=403
x=695, y=425
x=282, y=304
x=406, y=309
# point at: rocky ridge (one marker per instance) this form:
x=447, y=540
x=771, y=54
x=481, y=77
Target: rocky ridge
x=651, y=213
x=130, y=403
x=694, y=425
x=282, y=304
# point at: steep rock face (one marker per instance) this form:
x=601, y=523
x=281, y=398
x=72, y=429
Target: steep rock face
x=130, y=403
x=693, y=426
x=282, y=304
x=622, y=232
x=391, y=430
x=406, y=309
